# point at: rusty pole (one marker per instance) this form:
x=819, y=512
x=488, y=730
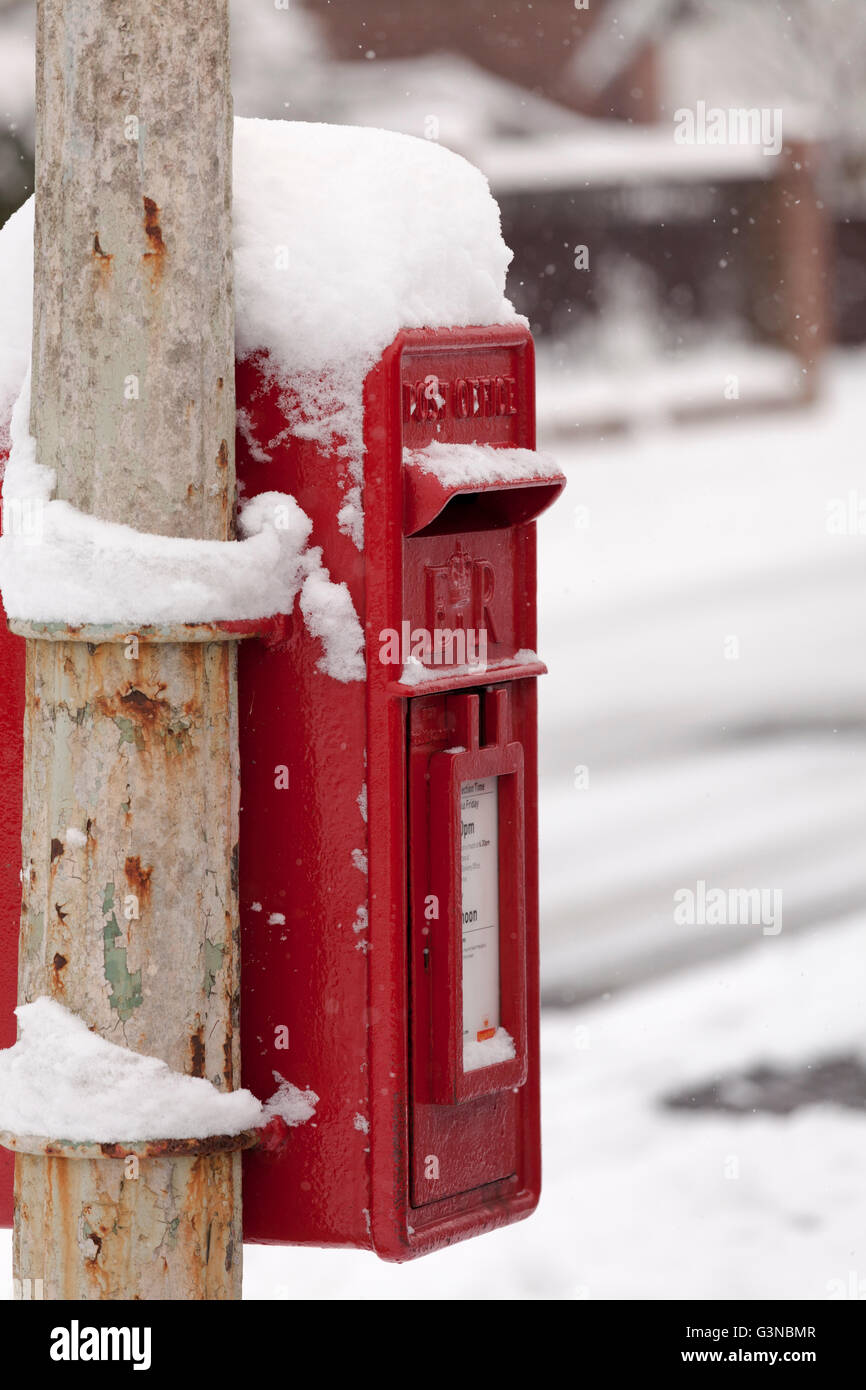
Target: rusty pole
x=131, y=742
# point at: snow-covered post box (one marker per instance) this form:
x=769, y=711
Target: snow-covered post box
x=389, y=810
x=388, y=853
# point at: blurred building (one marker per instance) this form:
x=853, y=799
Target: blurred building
x=534, y=46
x=17, y=108
x=564, y=109
x=569, y=112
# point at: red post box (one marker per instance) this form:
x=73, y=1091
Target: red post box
x=389, y=867
x=388, y=854
x=11, y=780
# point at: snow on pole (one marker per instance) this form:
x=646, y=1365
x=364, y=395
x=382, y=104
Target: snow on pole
x=135, y=931
x=62, y=1080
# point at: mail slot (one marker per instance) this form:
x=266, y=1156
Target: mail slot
x=390, y=891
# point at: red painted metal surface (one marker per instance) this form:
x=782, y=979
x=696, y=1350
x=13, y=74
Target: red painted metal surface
x=11, y=735
x=333, y=857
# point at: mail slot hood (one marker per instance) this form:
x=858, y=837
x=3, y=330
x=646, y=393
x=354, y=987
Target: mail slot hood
x=477, y=487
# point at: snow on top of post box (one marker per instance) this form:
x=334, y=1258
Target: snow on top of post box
x=342, y=236
x=345, y=235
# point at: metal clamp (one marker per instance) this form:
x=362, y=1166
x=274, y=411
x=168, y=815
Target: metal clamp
x=274, y=632
x=270, y=1138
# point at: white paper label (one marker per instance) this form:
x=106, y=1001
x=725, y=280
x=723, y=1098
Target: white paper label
x=479, y=821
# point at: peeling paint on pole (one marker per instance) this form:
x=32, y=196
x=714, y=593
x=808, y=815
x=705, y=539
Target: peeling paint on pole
x=143, y=911
x=134, y=926
x=134, y=328
x=167, y=1233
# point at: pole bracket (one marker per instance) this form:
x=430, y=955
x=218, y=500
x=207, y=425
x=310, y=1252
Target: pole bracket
x=274, y=632
x=270, y=1138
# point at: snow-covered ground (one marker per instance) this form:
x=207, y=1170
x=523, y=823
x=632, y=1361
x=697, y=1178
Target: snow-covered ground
x=643, y=1202
x=705, y=712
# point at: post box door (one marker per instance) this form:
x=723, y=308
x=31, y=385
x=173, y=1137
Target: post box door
x=467, y=941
